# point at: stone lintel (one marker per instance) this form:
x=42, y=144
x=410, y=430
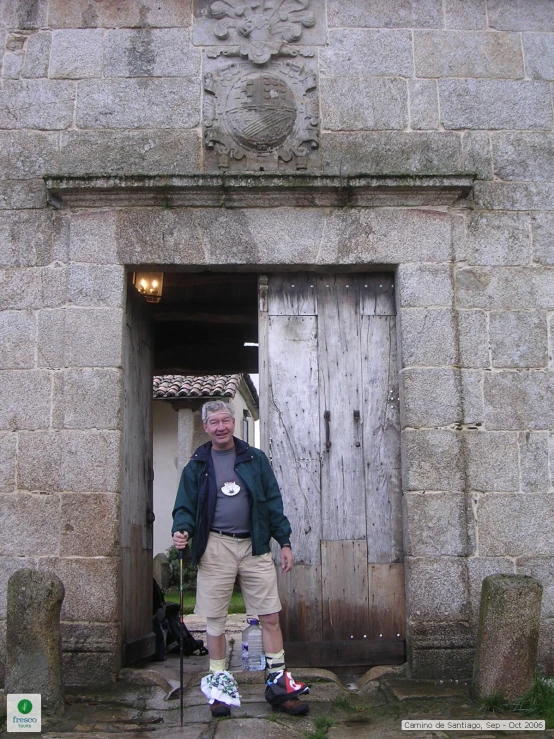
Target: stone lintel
x=258, y=190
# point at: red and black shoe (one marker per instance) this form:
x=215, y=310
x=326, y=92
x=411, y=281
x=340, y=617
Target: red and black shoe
x=282, y=694
x=220, y=709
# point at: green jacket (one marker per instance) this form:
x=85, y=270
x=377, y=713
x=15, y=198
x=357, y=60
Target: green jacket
x=196, y=498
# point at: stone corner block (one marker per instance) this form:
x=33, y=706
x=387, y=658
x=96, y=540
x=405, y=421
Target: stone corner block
x=430, y=397
x=427, y=337
x=89, y=525
x=436, y=525
x=88, y=398
x=431, y=460
x=81, y=337
x=425, y=285
x=437, y=588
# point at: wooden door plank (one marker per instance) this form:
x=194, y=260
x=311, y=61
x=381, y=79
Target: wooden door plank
x=294, y=427
x=263, y=363
x=339, y=356
x=348, y=653
x=345, y=594
x=300, y=590
x=381, y=439
x=292, y=294
x=377, y=295
x=137, y=488
x=387, y=601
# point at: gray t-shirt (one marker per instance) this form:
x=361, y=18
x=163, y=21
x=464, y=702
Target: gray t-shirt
x=232, y=513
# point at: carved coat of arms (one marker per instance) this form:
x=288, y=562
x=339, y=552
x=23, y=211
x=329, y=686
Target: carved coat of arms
x=260, y=108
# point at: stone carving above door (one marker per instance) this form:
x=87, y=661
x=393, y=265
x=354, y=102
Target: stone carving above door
x=260, y=119
x=259, y=29
x=261, y=102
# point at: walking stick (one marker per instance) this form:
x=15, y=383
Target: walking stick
x=181, y=627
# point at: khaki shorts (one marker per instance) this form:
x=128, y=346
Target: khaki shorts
x=223, y=560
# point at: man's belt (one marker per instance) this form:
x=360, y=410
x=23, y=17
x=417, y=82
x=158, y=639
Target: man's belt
x=247, y=535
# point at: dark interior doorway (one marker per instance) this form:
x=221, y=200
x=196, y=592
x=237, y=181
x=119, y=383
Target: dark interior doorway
x=203, y=322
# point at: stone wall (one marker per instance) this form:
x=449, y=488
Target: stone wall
x=406, y=87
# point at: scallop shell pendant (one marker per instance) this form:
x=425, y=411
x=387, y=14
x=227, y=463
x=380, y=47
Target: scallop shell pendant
x=230, y=488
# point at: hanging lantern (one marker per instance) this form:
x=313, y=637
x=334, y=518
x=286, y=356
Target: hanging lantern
x=149, y=284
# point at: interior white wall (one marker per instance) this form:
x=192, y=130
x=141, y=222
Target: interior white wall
x=166, y=471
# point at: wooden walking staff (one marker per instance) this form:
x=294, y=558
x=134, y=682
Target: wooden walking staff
x=181, y=628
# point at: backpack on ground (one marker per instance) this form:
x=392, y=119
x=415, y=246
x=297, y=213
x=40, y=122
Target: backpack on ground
x=167, y=627
x=160, y=626
x=190, y=644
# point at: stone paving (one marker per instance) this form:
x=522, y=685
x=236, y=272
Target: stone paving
x=145, y=702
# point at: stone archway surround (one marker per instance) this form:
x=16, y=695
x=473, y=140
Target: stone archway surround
x=411, y=226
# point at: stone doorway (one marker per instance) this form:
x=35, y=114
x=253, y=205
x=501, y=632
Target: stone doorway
x=210, y=323
x=263, y=225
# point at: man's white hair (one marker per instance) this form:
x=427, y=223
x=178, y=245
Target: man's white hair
x=215, y=406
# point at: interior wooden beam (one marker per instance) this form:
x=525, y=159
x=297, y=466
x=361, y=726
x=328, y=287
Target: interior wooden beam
x=184, y=279
x=186, y=317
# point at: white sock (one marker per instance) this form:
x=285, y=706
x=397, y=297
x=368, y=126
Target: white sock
x=217, y=665
x=275, y=661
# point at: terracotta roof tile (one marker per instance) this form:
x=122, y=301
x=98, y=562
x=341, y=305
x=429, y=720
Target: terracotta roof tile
x=207, y=386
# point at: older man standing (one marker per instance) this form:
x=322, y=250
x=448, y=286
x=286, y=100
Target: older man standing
x=230, y=505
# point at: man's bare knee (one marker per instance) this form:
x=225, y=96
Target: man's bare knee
x=269, y=620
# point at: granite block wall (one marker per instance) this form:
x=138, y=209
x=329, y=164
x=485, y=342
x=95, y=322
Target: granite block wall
x=406, y=88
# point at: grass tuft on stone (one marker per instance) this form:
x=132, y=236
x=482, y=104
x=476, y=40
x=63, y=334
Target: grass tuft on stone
x=322, y=724
x=494, y=704
x=345, y=704
x=536, y=703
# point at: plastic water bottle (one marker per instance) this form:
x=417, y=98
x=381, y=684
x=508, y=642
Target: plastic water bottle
x=253, y=657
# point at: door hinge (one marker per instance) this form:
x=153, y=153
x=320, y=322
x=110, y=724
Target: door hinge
x=327, y=419
x=262, y=294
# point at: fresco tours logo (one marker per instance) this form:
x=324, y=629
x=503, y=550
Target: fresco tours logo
x=23, y=712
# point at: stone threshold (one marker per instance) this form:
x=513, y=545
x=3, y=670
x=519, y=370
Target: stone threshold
x=259, y=191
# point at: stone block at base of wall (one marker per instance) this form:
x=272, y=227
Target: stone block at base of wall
x=89, y=669
x=447, y=635
x=89, y=637
x=447, y=664
x=89, y=657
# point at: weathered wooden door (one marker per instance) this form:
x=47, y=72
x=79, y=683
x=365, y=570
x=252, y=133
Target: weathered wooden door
x=138, y=639
x=330, y=425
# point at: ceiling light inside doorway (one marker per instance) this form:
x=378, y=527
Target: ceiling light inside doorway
x=250, y=343
x=149, y=284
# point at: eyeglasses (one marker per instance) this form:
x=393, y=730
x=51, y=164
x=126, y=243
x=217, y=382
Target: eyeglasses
x=213, y=423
